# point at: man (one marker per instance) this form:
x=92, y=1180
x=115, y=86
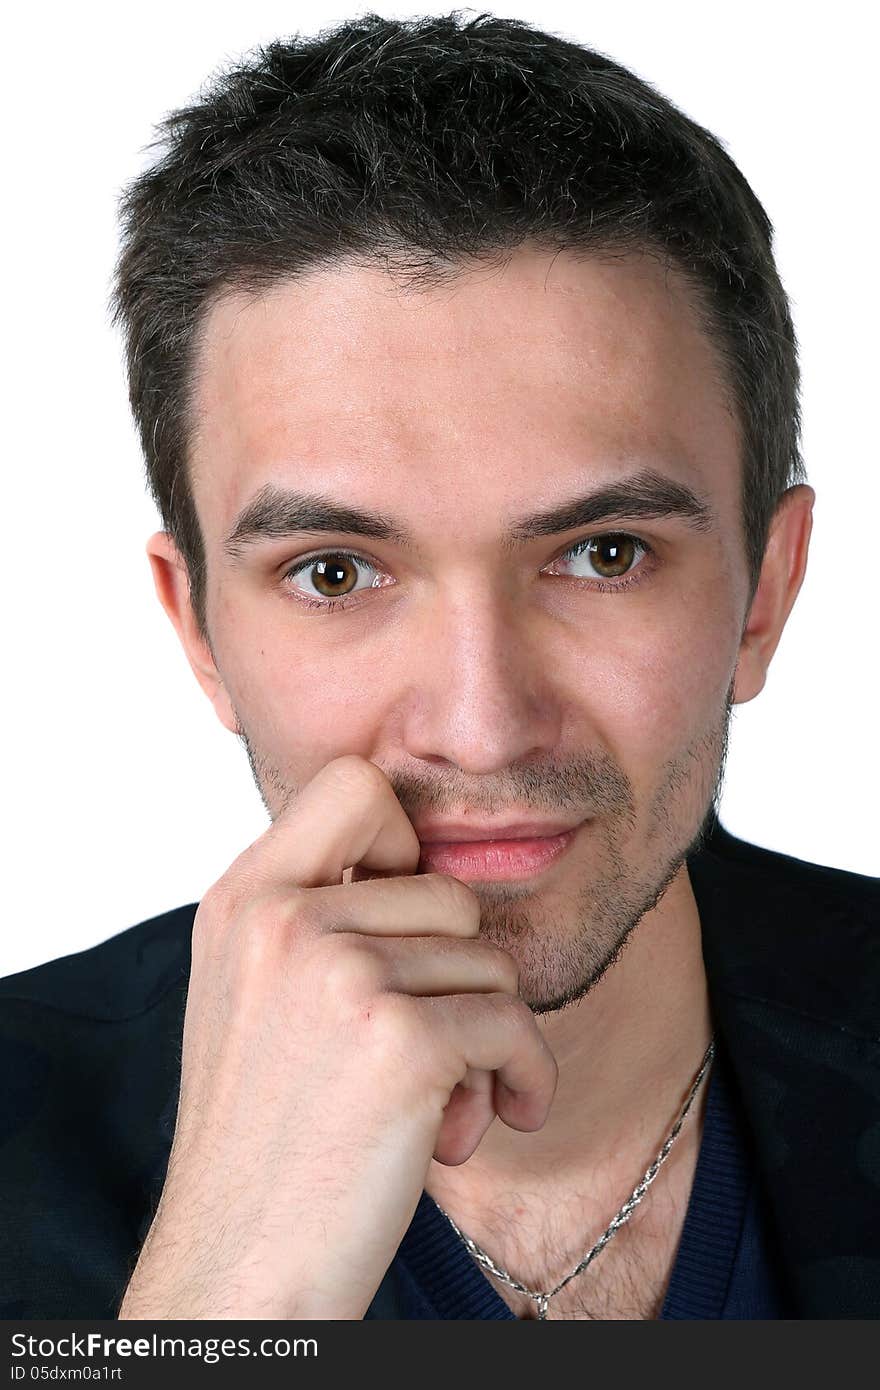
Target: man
x=468, y=392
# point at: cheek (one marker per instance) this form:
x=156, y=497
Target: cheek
x=662, y=687
x=300, y=701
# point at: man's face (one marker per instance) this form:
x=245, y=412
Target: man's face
x=485, y=673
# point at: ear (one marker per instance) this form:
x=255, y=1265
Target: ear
x=782, y=573
x=172, y=587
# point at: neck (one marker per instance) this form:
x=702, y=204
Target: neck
x=627, y=1054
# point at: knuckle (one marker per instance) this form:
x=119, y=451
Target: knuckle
x=259, y=933
x=211, y=924
x=215, y=905
x=346, y=968
x=264, y=914
x=396, y=1028
x=504, y=967
x=231, y=897
x=460, y=901
x=516, y=1011
x=305, y=913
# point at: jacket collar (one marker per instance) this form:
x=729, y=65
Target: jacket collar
x=792, y=957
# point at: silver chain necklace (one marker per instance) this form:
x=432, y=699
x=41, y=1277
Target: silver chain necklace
x=626, y=1211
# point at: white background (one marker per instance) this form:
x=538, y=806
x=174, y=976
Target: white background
x=123, y=795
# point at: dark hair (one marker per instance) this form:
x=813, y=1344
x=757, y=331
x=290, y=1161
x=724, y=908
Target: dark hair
x=425, y=145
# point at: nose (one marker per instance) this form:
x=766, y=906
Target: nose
x=481, y=692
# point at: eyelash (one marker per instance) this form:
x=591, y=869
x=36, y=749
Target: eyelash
x=598, y=586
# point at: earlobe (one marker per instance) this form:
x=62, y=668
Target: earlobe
x=171, y=582
x=782, y=573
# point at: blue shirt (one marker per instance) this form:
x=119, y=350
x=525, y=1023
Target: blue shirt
x=724, y=1267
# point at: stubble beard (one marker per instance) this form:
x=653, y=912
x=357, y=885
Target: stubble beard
x=633, y=860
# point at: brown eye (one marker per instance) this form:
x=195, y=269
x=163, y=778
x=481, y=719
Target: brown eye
x=611, y=556
x=335, y=577
x=614, y=558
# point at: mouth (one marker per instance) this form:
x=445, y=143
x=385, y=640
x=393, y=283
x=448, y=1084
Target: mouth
x=496, y=859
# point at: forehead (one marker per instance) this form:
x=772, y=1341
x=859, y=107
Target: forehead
x=505, y=388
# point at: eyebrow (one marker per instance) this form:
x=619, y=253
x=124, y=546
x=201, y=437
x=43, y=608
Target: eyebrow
x=275, y=513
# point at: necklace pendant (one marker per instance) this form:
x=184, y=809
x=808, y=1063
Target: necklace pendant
x=543, y=1300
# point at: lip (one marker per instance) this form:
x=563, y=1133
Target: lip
x=460, y=832
x=508, y=858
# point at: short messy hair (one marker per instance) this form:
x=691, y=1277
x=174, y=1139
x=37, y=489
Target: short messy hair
x=427, y=146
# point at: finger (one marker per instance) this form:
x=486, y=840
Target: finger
x=498, y=1033
x=407, y=905
x=467, y=1116
x=347, y=814
x=435, y=965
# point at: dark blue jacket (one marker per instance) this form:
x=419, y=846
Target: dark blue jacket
x=90, y=1064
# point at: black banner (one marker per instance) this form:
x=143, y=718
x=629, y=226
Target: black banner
x=148, y=1354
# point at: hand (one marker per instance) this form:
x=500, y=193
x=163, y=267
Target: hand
x=338, y=1035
